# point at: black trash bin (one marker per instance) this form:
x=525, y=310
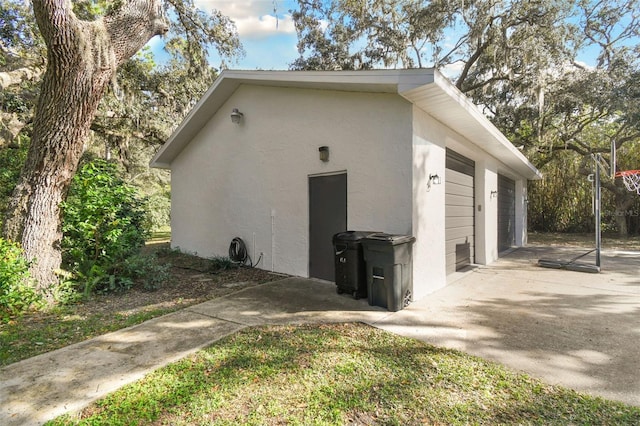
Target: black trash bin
x=389, y=269
x=351, y=276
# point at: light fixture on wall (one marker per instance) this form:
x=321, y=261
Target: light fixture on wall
x=493, y=194
x=236, y=116
x=324, y=153
x=435, y=179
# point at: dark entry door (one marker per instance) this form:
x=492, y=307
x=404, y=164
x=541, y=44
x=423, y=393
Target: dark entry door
x=506, y=213
x=327, y=216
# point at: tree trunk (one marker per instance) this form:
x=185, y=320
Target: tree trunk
x=82, y=60
x=623, y=203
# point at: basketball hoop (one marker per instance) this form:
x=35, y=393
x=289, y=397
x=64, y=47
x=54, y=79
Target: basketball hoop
x=631, y=179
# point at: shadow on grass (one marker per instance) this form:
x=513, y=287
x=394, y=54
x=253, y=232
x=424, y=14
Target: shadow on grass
x=331, y=374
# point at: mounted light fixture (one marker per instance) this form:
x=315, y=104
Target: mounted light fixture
x=236, y=116
x=435, y=179
x=493, y=194
x=324, y=153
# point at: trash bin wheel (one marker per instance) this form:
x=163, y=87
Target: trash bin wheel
x=406, y=300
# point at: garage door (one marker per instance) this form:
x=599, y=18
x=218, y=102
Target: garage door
x=459, y=211
x=506, y=213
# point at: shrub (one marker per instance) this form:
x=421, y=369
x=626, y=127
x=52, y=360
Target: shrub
x=104, y=223
x=222, y=263
x=147, y=270
x=16, y=295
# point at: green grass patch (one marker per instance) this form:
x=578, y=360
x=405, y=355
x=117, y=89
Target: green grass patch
x=62, y=326
x=341, y=374
x=160, y=236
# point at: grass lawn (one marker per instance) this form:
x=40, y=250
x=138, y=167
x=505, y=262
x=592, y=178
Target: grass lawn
x=341, y=374
x=42, y=332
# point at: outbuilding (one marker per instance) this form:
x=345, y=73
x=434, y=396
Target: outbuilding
x=285, y=159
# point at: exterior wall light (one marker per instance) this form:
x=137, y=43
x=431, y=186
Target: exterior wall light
x=236, y=116
x=324, y=153
x=435, y=179
x=493, y=194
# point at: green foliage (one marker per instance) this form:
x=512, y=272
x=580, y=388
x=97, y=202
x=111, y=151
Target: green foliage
x=16, y=295
x=104, y=224
x=18, y=30
x=147, y=270
x=561, y=202
x=159, y=205
x=11, y=160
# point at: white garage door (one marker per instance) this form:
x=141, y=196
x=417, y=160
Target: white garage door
x=459, y=211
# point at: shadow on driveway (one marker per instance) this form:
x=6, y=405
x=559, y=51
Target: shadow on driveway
x=576, y=329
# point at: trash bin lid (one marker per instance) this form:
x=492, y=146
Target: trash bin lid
x=350, y=236
x=388, y=239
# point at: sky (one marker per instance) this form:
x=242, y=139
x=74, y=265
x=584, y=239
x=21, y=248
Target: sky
x=267, y=36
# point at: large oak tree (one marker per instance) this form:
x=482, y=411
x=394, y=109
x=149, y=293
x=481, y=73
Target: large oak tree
x=82, y=59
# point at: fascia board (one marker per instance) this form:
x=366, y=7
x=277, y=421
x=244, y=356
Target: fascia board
x=443, y=101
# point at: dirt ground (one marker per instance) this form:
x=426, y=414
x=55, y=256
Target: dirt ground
x=192, y=280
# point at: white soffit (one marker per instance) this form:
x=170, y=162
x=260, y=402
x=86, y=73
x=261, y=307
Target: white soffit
x=443, y=101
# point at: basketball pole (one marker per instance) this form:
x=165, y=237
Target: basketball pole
x=598, y=159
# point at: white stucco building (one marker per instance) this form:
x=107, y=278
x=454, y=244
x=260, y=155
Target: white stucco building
x=388, y=134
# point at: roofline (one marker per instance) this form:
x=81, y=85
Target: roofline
x=477, y=130
x=415, y=85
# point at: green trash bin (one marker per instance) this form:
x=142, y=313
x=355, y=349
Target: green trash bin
x=389, y=267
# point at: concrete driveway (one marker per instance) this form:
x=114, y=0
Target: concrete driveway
x=575, y=329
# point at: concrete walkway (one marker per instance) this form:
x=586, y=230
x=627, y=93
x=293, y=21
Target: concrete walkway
x=575, y=329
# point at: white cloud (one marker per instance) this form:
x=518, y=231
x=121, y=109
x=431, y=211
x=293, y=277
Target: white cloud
x=265, y=25
x=453, y=70
x=254, y=18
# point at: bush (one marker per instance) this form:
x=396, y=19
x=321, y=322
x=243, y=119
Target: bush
x=147, y=270
x=104, y=224
x=16, y=295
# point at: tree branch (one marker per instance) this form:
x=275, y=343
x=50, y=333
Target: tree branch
x=132, y=25
x=17, y=76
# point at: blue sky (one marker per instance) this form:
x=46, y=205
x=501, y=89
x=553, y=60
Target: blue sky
x=267, y=35
x=269, y=39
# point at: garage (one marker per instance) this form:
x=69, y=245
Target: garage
x=459, y=211
x=506, y=213
x=418, y=155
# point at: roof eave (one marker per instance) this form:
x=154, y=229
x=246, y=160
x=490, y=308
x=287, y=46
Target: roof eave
x=443, y=101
